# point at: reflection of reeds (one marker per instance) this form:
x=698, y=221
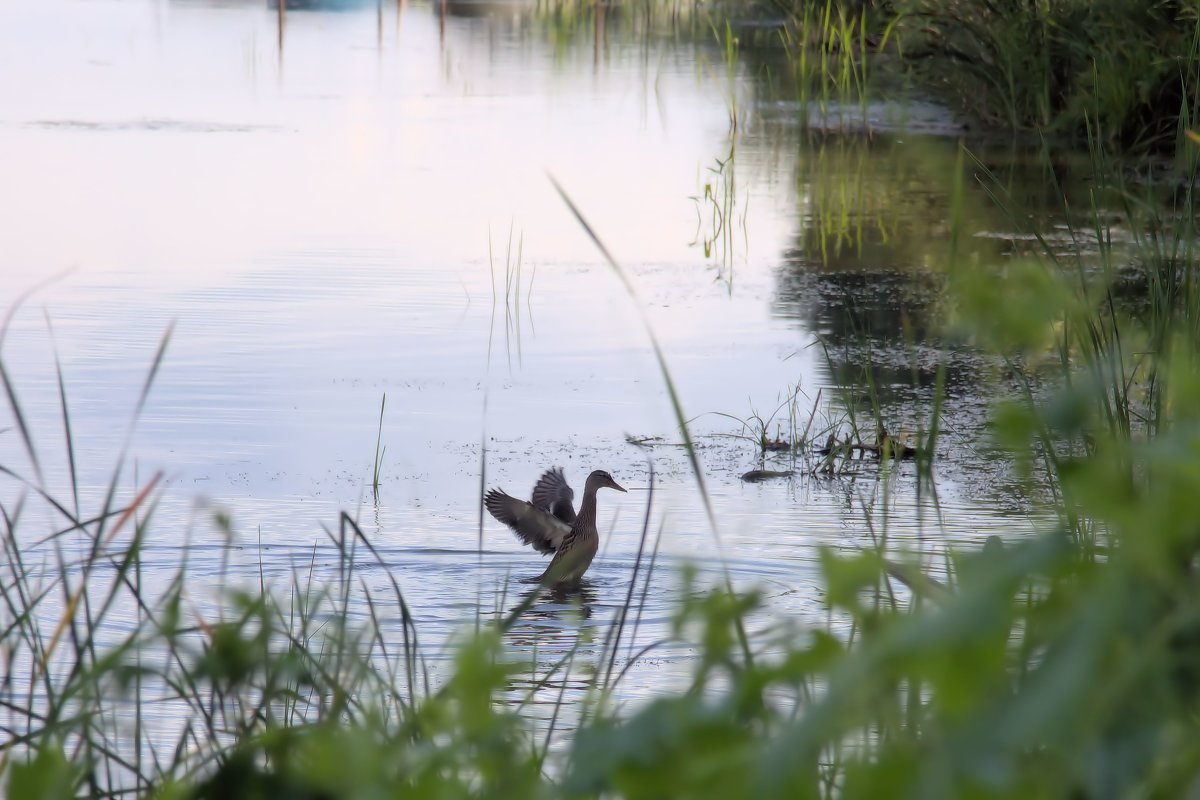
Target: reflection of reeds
x=718, y=212
x=280, y=19
x=379, y=453
x=512, y=288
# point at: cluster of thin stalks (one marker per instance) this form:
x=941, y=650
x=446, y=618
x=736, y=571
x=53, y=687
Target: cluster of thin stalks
x=507, y=289
x=829, y=45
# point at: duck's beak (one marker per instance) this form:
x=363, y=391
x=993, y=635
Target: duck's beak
x=617, y=486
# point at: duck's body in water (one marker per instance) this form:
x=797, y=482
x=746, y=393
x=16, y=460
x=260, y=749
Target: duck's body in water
x=549, y=524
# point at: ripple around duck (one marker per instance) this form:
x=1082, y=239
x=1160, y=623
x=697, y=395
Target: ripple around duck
x=770, y=544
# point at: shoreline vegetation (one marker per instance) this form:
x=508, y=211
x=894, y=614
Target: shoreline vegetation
x=1061, y=664
x=1121, y=72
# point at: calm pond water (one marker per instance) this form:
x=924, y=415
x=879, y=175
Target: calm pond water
x=369, y=210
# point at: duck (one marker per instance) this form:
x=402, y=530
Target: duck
x=548, y=522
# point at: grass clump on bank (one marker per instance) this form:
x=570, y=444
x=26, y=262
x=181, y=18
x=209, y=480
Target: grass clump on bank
x=1124, y=71
x=1122, y=67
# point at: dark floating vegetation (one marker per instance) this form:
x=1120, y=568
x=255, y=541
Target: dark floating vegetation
x=1060, y=664
x=759, y=475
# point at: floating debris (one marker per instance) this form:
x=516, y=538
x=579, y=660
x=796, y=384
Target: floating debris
x=757, y=475
x=885, y=447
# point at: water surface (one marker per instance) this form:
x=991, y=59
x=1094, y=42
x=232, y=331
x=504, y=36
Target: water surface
x=364, y=206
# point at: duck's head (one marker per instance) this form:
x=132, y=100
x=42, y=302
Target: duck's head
x=600, y=479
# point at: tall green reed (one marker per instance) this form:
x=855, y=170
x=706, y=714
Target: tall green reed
x=829, y=46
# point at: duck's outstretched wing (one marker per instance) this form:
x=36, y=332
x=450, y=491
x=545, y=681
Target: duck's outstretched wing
x=539, y=529
x=552, y=494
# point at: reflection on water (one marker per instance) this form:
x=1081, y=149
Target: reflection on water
x=555, y=618
x=882, y=228
x=329, y=222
